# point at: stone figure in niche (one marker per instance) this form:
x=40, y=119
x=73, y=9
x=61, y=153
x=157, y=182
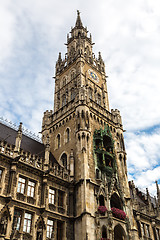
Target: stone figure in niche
x=40, y=233
x=3, y=225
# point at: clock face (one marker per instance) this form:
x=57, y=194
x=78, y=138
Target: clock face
x=93, y=75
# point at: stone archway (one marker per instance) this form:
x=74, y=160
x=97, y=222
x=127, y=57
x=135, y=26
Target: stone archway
x=119, y=233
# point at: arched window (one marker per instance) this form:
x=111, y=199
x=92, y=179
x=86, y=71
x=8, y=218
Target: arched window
x=97, y=174
x=63, y=100
x=101, y=200
x=119, y=233
x=87, y=51
x=64, y=160
x=116, y=201
x=90, y=93
x=72, y=94
x=64, y=81
x=58, y=141
x=73, y=74
x=122, y=143
x=99, y=99
x=67, y=135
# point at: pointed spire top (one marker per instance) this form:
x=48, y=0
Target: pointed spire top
x=78, y=21
x=59, y=57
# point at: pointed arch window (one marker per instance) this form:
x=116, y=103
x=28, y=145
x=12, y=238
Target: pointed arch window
x=99, y=99
x=97, y=174
x=73, y=74
x=58, y=141
x=63, y=100
x=116, y=202
x=67, y=135
x=72, y=93
x=90, y=93
x=64, y=81
x=119, y=233
x=101, y=200
x=87, y=51
x=64, y=160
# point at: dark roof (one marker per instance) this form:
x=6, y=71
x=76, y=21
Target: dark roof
x=28, y=144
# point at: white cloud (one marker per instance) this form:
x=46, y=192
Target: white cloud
x=143, y=158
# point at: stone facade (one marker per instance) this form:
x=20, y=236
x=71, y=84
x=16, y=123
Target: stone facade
x=74, y=185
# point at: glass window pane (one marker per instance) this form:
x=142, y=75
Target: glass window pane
x=21, y=185
x=49, y=228
x=31, y=188
x=27, y=222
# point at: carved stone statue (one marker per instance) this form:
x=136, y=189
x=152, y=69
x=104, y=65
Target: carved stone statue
x=3, y=225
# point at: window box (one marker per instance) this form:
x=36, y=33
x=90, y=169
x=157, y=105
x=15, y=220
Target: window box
x=102, y=209
x=118, y=213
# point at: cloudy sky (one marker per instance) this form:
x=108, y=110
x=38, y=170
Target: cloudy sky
x=128, y=35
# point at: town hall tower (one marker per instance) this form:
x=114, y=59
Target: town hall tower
x=87, y=139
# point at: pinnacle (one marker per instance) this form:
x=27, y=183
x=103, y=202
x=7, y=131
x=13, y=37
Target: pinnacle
x=78, y=21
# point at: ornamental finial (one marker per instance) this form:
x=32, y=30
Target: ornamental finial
x=78, y=21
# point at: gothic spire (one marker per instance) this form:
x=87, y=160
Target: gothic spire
x=78, y=21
